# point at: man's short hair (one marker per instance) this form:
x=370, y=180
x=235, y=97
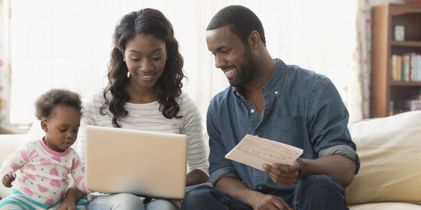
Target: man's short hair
x=241, y=20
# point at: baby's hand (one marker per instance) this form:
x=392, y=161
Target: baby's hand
x=8, y=179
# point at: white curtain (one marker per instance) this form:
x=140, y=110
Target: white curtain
x=4, y=63
x=66, y=43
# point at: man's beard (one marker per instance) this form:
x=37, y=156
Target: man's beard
x=246, y=71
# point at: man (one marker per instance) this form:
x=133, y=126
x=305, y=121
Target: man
x=279, y=102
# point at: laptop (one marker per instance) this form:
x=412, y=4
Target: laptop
x=144, y=163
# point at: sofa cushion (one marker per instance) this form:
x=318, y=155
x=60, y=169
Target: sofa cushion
x=390, y=153
x=385, y=206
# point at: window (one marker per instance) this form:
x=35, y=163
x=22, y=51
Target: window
x=66, y=44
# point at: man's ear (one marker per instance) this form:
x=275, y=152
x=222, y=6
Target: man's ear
x=44, y=125
x=254, y=39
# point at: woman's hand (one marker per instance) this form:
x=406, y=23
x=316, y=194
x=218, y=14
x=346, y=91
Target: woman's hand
x=195, y=177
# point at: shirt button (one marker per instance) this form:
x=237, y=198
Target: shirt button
x=252, y=111
x=276, y=92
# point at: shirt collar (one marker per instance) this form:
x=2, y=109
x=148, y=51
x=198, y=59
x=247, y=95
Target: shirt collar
x=272, y=85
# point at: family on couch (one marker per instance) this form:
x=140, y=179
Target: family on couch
x=266, y=97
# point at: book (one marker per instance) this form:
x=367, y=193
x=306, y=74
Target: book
x=255, y=151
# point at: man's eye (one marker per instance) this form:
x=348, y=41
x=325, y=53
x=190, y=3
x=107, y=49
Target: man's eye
x=62, y=129
x=225, y=51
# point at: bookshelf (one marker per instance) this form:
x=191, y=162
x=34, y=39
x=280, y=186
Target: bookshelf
x=395, y=72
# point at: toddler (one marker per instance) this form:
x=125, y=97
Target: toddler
x=44, y=164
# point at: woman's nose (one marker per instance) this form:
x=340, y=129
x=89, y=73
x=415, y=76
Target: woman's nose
x=146, y=64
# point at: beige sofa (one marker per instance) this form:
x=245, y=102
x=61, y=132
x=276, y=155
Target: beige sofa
x=390, y=152
x=390, y=174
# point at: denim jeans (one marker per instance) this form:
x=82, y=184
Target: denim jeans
x=126, y=201
x=312, y=192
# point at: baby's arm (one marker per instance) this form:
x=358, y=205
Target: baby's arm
x=14, y=162
x=78, y=173
x=73, y=195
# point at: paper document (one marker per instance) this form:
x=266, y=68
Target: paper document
x=255, y=151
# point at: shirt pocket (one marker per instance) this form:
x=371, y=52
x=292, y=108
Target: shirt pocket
x=289, y=130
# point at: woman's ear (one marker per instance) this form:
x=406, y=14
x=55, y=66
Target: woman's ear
x=44, y=125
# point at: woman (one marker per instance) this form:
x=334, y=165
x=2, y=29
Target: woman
x=144, y=92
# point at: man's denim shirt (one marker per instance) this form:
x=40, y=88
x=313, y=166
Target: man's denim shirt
x=301, y=108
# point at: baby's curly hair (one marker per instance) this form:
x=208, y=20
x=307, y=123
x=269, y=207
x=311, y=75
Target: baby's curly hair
x=56, y=97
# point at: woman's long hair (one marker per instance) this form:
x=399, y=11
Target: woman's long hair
x=148, y=21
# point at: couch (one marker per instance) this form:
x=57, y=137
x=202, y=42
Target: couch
x=390, y=173
x=390, y=152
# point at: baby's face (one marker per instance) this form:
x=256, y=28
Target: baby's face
x=62, y=127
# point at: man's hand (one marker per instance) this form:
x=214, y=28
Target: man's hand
x=268, y=202
x=8, y=179
x=282, y=174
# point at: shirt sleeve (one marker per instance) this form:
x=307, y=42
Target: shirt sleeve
x=78, y=173
x=192, y=127
x=343, y=150
x=18, y=159
x=88, y=118
x=219, y=167
x=327, y=120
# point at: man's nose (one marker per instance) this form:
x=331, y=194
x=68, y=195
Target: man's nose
x=219, y=61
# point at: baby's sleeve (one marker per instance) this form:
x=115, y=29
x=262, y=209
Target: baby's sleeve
x=78, y=173
x=18, y=158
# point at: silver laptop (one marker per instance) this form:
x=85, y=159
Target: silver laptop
x=139, y=162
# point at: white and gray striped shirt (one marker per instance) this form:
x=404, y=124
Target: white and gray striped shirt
x=148, y=117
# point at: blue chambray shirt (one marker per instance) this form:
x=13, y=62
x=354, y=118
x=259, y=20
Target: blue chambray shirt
x=301, y=108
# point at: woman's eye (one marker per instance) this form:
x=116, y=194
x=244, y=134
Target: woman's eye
x=156, y=58
x=134, y=59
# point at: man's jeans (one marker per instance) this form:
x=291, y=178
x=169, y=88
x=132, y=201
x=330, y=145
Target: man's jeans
x=318, y=192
